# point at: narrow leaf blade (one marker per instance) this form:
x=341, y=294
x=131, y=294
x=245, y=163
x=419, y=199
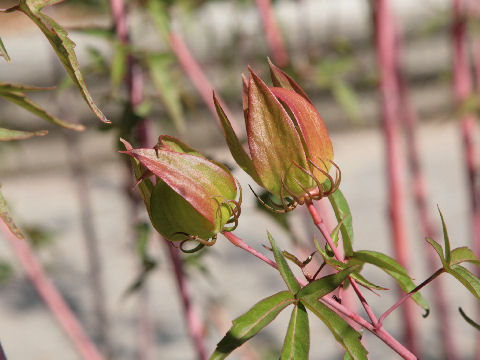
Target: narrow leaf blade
x=9, y=135
x=3, y=51
x=469, y=320
x=470, y=281
x=6, y=217
x=445, y=238
x=283, y=267
x=297, y=341
x=250, y=323
x=343, y=214
x=343, y=333
x=463, y=254
x=325, y=285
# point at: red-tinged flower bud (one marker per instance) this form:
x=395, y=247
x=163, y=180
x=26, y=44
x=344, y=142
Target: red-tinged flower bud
x=193, y=199
x=290, y=152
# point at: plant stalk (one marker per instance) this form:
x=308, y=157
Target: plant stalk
x=385, y=39
x=51, y=296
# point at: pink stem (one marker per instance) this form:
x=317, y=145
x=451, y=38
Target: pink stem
x=194, y=323
x=197, y=76
x=387, y=59
x=51, y=296
x=317, y=220
x=274, y=36
x=409, y=120
x=381, y=333
x=463, y=88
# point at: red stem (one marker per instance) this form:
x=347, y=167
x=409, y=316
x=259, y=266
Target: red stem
x=463, y=88
x=409, y=120
x=274, y=36
x=197, y=76
x=387, y=59
x=194, y=323
x=317, y=220
x=381, y=333
x=51, y=296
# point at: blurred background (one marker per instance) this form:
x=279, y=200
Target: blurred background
x=71, y=192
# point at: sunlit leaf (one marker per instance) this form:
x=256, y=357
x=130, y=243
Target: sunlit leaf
x=15, y=93
x=343, y=215
x=469, y=280
x=6, y=217
x=325, y=285
x=283, y=267
x=297, y=341
x=463, y=254
x=250, y=323
x=343, y=333
x=9, y=135
x=63, y=46
x=3, y=51
x=394, y=269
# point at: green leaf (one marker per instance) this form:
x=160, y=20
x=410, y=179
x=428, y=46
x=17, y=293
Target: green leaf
x=297, y=341
x=343, y=215
x=15, y=93
x=394, y=269
x=468, y=319
x=346, y=97
x=9, y=135
x=463, y=254
x=63, y=46
x=118, y=68
x=343, y=333
x=469, y=280
x=446, y=239
x=166, y=86
x=236, y=148
x=159, y=13
x=283, y=267
x=439, y=250
x=3, y=51
x=325, y=285
x=7, y=218
x=250, y=323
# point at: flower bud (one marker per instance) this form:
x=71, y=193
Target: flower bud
x=290, y=152
x=194, y=198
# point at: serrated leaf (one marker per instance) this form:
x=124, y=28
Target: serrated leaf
x=469, y=280
x=343, y=215
x=283, y=267
x=63, y=46
x=325, y=285
x=468, y=319
x=439, y=250
x=445, y=238
x=6, y=217
x=15, y=94
x=250, y=323
x=297, y=341
x=394, y=269
x=3, y=51
x=463, y=254
x=167, y=89
x=343, y=333
x=9, y=135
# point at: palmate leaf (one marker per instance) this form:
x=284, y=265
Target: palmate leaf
x=394, y=269
x=9, y=135
x=61, y=43
x=250, y=323
x=3, y=51
x=343, y=333
x=297, y=341
x=283, y=267
x=6, y=217
x=16, y=93
x=343, y=215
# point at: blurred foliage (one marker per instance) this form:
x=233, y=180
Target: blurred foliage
x=38, y=236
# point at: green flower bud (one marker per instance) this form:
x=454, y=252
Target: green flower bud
x=194, y=198
x=290, y=152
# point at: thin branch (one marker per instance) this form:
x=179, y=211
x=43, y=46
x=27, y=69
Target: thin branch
x=408, y=295
x=51, y=296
